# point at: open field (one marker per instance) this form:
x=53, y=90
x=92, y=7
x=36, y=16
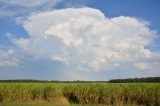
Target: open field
x=79, y=93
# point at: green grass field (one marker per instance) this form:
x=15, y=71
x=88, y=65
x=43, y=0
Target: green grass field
x=51, y=94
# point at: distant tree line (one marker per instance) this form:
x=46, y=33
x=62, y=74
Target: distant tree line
x=132, y=80
x=129, y=80
x=51, y=81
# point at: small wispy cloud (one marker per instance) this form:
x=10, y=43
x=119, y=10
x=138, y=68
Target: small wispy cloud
x=24, y=7
x=29, y=3
x=9, y=58
x=59, y=58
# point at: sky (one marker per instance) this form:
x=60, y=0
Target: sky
x=70, y=40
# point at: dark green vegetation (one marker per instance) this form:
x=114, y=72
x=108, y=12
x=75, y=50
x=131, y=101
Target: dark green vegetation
x=149, y=79
x=81, y=93
x=129, y=80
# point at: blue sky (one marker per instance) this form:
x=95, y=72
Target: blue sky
x=79, y=39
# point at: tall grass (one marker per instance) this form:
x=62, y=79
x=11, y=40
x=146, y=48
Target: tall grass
x=82, y=93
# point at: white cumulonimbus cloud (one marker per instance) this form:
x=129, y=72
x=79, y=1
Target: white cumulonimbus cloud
x=85, y=38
